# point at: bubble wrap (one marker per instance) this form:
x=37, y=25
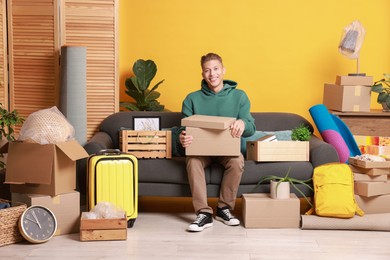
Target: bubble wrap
x=46, y=126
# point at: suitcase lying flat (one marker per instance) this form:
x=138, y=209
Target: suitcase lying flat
x=112, y=177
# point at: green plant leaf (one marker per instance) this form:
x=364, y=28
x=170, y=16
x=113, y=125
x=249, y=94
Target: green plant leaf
x=382, y=97
x=156, y=86
x=378, y=88
x=302, y=194
x=145, y=72
x=151, y=95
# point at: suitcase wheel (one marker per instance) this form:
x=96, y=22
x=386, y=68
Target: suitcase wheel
x=130, y=223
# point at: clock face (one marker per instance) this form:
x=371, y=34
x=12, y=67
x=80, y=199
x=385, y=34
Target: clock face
x=37, y=224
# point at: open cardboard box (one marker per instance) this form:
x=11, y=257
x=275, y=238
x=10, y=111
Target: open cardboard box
x=212, y=136
x=48, y=169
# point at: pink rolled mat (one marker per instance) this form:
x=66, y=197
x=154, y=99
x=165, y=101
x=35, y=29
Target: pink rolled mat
x=375, y=222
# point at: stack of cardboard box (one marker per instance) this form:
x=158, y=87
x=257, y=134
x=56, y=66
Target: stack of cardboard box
x=372, y=185
x=348, y=94
x=46, y=175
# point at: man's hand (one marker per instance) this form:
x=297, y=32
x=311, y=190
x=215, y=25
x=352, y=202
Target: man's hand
x=237, y=128
x=185, y=140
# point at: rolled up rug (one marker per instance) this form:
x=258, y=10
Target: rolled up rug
x=335, y=132
x=374, y=222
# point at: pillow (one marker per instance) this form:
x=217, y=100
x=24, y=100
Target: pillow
x=284, y=135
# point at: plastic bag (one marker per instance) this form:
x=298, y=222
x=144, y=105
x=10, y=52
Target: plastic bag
x=46, y=126
x=352, y=39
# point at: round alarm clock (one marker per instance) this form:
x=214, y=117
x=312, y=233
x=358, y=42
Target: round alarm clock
x=37, y=224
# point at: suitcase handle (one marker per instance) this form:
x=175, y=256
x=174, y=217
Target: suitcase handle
x=109, y=151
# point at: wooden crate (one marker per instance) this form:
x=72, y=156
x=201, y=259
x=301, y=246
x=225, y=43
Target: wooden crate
x=147, y=144
x=277, y=151
x=102, y=229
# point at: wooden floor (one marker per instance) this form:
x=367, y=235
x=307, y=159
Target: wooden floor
x=161, y=234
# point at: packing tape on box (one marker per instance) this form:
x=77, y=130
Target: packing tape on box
x=375, y=222
x=358, y=91
x=356, y=108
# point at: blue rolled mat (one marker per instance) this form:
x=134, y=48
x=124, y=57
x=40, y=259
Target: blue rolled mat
x=335, y=132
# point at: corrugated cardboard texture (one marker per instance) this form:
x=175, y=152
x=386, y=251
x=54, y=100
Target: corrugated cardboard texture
x=369, y=189
x=368, y=164
x=366, y=177
x=212, y=122
x=369, y=171
x=260, y=211
x=354, y=80
x=375, y=204
x=277, y=151
x=43, y=169
x=66, y=208
x=212, y=142
x=347, y=98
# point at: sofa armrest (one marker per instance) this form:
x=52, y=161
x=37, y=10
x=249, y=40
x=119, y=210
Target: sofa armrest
x=321, y=152
x=99, y=141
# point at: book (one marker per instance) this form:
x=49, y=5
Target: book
x=267, y=138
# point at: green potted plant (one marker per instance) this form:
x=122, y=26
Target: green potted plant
x=382, y=87
x=8, y=120
x=301, y=133
x=137, y=88
x=277, y=182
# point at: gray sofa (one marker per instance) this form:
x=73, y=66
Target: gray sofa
x=167, y=177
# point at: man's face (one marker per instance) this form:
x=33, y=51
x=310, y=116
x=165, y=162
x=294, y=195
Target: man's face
x=213, y=72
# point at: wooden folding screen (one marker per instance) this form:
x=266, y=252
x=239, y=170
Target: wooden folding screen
x=3, y=56
x=94, y=24
x=33, y=41
x=36, y=31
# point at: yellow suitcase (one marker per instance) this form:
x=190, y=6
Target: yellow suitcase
x=112, y=177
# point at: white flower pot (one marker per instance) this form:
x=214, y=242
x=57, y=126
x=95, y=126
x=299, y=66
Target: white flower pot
x=283, y=191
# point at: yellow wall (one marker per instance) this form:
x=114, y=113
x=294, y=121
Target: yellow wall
x=280, y=52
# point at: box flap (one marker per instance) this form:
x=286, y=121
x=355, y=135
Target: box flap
x=72, y=149
x=213, y=122
x=23, y=156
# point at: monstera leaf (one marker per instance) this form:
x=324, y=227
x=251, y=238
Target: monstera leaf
x=137, y=87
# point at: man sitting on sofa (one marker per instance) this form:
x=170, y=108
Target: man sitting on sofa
x=217, y=97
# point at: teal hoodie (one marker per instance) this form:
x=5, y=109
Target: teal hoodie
x=229, y=102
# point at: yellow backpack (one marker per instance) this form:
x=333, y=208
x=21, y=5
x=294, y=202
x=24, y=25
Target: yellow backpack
x=334, y=196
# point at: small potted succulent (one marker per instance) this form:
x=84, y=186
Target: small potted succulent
x=382, y=87
x=280, y=186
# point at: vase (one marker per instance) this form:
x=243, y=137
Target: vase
x=282, y=192
x=385, y=107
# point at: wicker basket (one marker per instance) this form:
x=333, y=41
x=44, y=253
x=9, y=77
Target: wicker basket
x=9, y=217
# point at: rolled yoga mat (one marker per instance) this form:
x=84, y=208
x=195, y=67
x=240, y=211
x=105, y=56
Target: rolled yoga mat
x=374, y=222
x=74, y=89
x=335, y=132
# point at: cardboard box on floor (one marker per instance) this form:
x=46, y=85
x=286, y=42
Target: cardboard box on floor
x=375, y=204
x=43, y=169
x=212, y=136
x=66, y=208
x=277, y=151
x=260, y=211
x=347, y=98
